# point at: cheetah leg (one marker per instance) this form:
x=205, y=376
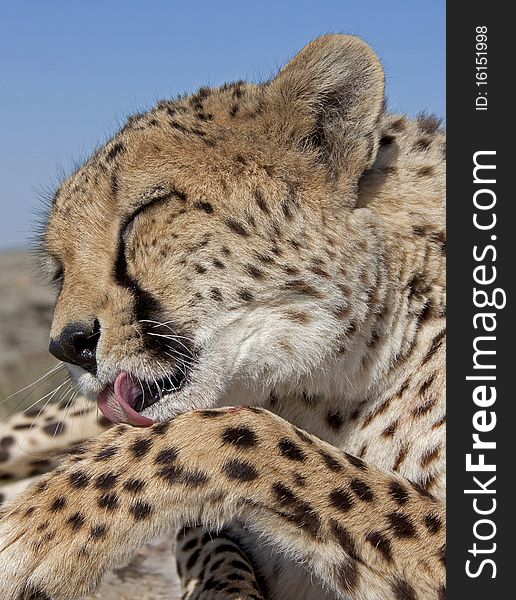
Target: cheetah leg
x=30, y=441
x=212, y=566
x=362, y=531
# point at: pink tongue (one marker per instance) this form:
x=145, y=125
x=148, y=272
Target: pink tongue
x=116, y=402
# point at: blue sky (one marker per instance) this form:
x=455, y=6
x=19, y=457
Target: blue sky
x=70, y=72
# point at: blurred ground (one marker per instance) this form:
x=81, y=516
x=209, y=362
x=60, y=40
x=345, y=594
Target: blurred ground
x=25, y=315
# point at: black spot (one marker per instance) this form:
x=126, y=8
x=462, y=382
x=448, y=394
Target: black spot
x=380, y=543
x=41, y=486
x=398, y=492
x=334, y=420
x=98, y=531
x=436, y=344
x=433, y=523
x=362, y=490
x=76, y=521
x=140, y=448
x=134, y=485
x=401, y=525
x=114, y=184
x=390, y=430
x=216, y=294
x=425, y=171
x=178, y=126
x=242, y=437
x=400, y=124
x=107, y=453
x=403, y=590
x=34, y=412
x=344, y=539
x=140, y=510
x=30, y=593
x=227, y=547
x=174, y=474
x=205, y=206
x=235, y=577
x=171, y=474
x=58, y=504
x=341, y=499
x=193, y=559
x=160, y=428
x=106, y=481
x=422, y=144
x=428, y=123
x=189, y=545
x=210, y=412
x=298, y=512
x=195, y=477
x=79, y=479
x=245, y=295
x=54, y=429
x=109, y=501
x=240, y=565
x=237, y=227
x=291, y=450
x=218, y=264
x=386, y=140
x=356, y=462
x=200, y=269
x=115, y=150
x=255, y=272
x=166, y=456
x=240, y=470
x=299, y=479
x=332, y=463
x=6, y=441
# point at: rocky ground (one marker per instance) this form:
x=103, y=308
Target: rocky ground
x=25, y=314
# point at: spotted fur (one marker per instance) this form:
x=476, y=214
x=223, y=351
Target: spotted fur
x=290, y=237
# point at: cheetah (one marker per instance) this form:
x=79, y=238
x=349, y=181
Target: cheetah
x=251, y=286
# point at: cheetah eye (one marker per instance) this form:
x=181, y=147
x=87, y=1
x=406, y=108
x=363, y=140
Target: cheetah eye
x=58, y=275
x=155, y=200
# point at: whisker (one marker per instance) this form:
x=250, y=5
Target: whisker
x=52, y=371
x=68, y=403
x=185, y=360
x=165, y=324
x=170, y=337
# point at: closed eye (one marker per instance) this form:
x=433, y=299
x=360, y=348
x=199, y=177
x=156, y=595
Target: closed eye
x=120, y=271
x=158, y=199
x=57, y=276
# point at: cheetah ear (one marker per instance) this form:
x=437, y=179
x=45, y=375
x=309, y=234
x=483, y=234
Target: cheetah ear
x=329, y=98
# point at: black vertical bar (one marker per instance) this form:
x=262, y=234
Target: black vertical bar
x=480, y=119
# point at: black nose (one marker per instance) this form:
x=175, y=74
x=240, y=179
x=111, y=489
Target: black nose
x=77, y=345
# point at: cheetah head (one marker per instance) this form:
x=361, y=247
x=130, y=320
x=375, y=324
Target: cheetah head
x=214, y=248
